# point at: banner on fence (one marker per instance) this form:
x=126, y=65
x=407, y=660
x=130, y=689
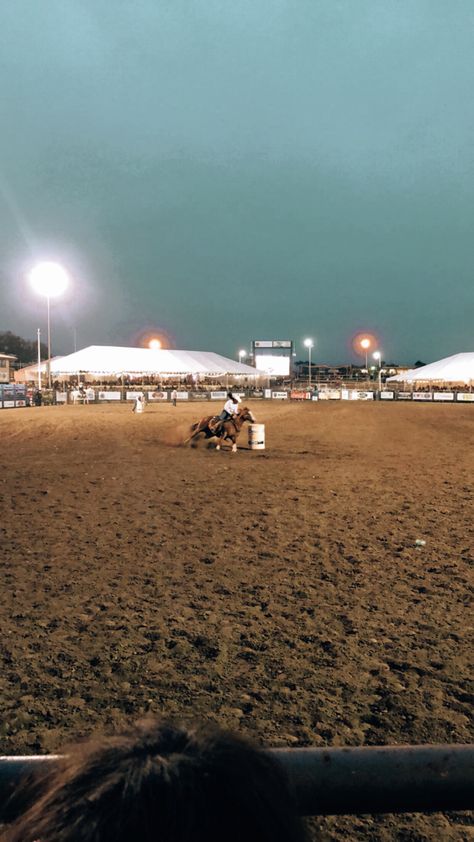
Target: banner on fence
x=421, y=396
x=443, y=396
x=329, y=395
x=157, y=396
x=218, y=396
x=280, y=396
x=61, y=397
x=267, y=393
x=132, y=396
x=199, y=396
x=298, y=395
x=465, y=396
x=110, y=396
x=182, y=396
x=404, y=396
x=387, y=396
x=11, y=395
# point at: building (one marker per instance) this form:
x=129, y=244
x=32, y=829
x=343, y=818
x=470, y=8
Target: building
x=6, y=367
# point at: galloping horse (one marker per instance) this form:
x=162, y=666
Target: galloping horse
x=229, y=430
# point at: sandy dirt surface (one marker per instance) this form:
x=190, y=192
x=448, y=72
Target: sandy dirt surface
x=279, y=592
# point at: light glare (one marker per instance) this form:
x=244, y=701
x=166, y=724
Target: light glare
x=154, y=344
x=49, y=279
x=308, y=343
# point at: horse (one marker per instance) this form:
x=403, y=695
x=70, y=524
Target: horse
x=229, y=430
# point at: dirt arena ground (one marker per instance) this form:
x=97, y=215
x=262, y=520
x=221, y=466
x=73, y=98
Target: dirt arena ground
x=280, y=593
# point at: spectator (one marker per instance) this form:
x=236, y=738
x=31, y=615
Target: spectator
x=162, y=783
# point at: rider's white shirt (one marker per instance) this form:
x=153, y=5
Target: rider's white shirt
x=230, y=407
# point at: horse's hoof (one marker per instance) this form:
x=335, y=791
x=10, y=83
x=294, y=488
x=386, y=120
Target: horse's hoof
x=234, y=448
x=218, y=447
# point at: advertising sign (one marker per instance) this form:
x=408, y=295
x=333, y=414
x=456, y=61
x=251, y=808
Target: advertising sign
x=465, y=396
x=421, y=396
x=267, y=393
x=182, y=396
x=280, y=396
x=329, y=395
x=61, y=397
x=132, y=396
x=218, y=396
x=296, y=395
x=110, y=396
x=157, y=396
x=443, y=396
x=404, y=396
x=387, y=396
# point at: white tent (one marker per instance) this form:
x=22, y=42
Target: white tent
x=456, y=369
x=106, y=361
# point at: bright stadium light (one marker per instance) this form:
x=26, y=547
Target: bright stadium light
x=308, y=343
x=242, y=355
x=50, y=280
x=154, y=344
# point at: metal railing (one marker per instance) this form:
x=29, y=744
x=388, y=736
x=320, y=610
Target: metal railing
x=345, y=781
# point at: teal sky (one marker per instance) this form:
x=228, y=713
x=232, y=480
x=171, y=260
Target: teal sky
x=229, y=171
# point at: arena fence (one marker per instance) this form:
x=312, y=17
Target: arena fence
x=344, y=781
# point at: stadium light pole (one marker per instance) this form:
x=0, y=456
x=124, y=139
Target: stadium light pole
x=38, y=333
x=51, y=281
x=365, y=345
x=242, y=355
x=378, y=357
x=308, y=343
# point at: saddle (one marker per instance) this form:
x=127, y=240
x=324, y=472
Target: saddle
x=215, y=424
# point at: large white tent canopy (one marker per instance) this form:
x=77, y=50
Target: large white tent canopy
x=456, y=369
x=108, y=360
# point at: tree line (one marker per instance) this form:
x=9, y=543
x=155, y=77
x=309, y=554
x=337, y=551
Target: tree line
x=26, y=350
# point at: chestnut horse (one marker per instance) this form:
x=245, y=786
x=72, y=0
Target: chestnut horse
x=229, y=430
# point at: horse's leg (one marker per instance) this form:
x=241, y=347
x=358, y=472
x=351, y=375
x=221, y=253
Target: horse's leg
x=194, y=431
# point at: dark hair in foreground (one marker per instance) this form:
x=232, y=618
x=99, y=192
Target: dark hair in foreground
x=162, y=783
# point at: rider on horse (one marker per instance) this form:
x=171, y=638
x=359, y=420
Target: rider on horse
x=231, y=408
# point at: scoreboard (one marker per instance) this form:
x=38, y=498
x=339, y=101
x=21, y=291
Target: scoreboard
x=273, y=356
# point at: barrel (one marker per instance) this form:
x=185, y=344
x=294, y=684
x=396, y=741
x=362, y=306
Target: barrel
x=257, y=436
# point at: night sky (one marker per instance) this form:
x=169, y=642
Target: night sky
x=224, y=171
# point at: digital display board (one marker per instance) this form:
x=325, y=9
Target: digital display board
x=273, y=356
x=273, y=364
